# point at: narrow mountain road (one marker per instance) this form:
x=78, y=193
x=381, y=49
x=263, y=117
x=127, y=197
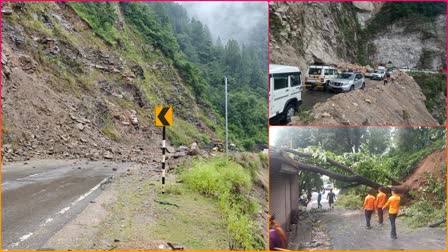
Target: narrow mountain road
x=40, y=197
x=341, y=229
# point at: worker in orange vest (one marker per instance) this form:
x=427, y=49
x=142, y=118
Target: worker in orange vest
x=394, y=206
x=369, y=206
x=381, y=199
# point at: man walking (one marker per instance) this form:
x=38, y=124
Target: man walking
x=331, y=197
x=369, y=207
x=319, y=198
x=381, y=199
x=394, y=205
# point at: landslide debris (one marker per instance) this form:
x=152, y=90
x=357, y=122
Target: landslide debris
x=67, y=93
x=400, y=101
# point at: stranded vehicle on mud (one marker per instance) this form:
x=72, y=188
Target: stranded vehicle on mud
x=319, y=76
x=285, y=92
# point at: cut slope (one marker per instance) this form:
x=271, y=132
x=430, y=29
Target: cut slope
x=68, y=93
x=431, y=164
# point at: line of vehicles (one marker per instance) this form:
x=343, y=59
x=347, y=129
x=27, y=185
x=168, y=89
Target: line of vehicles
x=285, y=93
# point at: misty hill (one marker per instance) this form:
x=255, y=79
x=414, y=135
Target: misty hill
x=82, y=80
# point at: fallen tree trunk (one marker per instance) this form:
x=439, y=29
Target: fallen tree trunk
x=437, y=223
x=355, y=178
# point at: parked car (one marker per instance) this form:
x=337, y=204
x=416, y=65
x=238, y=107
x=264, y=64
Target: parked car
x=348, y=81
x=319, y=76
x=285, y=92
x=369, y=73
x=378, y=74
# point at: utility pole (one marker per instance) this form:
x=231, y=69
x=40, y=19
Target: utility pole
x=227, y=135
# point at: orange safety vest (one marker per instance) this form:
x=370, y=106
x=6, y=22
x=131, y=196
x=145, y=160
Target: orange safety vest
x=381, y=199
x=393, y=203
x=369, y=202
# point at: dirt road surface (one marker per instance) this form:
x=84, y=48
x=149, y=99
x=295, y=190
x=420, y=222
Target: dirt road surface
x=40, y=197
x=311, y=98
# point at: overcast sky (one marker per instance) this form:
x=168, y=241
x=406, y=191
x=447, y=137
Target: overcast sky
x=229, y=19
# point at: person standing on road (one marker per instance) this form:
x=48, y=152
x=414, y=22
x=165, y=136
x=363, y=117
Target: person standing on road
x=369, y=207
x=331, y=197
x=319, y=198
x=381, y=199
x=394, y=206
x=277, y=237
x=387, y=77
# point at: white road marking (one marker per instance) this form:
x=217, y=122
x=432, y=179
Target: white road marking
x=24, y=237
x=62, y=211
x=89, y=192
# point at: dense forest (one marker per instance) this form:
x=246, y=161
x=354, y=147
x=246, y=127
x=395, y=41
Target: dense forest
x=385, y=155
x=202, y=62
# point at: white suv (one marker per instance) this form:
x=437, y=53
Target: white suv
x=285, y=92
x=319, y=76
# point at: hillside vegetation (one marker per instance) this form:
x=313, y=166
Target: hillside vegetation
x=94, y=72
x=202, y=63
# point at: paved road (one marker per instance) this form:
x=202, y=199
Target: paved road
x=310, y=98
x=323, y=202
x=40, y=197
x=347, y=231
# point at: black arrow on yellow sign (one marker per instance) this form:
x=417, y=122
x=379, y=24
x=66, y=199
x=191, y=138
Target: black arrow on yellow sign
x=164, y=116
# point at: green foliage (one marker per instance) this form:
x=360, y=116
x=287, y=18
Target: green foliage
x=228, y=183
x=152, y=26
x=434, y=88
x=184, y=133
x=393, y=11
x=249, y=161
x=422, y=213
x=349, y=201
x=108, y=128
x=101, y=16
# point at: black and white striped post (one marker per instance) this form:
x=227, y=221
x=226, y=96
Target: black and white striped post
x=164, y=117
x=163, y=159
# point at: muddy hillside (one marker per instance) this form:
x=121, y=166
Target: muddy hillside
x=358, y=32
x=69, y=93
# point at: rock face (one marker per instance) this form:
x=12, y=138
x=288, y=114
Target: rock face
x=305, y=33
x=366, y=10
x=406, y=45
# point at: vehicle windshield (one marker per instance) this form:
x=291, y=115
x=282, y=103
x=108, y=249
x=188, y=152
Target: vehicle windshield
x=346, y=76
x=314, y=71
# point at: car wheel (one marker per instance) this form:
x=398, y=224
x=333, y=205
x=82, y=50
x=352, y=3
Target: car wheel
x=352, y=87
x=309, y=88
x=363, y=85
x=289, y=112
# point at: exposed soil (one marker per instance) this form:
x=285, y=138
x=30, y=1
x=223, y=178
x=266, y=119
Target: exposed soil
x=432, y=164
x=401, y=101
x=67, y=94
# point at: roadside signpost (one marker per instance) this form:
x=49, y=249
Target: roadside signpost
x=164, y=117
